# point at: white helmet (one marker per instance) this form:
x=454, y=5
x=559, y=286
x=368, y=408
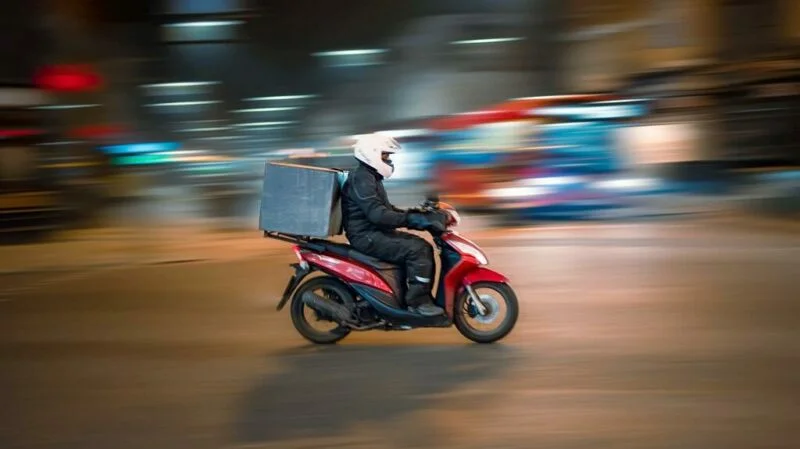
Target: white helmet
x=370, y=148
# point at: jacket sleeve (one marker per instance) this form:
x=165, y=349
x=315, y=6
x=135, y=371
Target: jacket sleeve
x=365, y=191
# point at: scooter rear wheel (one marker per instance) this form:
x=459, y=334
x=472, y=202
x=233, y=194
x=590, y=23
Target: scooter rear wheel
x=334, y=290
x=465, y=314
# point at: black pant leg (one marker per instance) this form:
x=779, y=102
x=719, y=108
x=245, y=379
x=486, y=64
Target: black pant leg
x=420, y=265
x=400, y=248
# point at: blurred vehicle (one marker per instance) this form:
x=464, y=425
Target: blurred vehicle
x=545, y=156
x=480, y=148
x=362, y=293
x=30, y=199
x=580, y=170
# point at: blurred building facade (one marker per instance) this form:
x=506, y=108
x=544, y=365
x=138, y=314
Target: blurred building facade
x=458, y=57
x=436, y=66
x=442, y=57
x=109, y=43
x=610, y=40
x=545, y=48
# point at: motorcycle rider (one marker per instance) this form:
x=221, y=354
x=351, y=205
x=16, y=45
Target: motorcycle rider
x=371, y=221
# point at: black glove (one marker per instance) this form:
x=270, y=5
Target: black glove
x=438, y=222
x=418, y=221
x=434, y=222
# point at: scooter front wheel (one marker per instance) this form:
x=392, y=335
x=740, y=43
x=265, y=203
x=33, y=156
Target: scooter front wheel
x=306, y=320
x=495, y=321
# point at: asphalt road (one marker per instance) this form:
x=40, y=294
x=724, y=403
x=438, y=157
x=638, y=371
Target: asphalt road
x=646, y=336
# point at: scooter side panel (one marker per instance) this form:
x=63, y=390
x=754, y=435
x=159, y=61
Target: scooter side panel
x=377, y=298
x=398, y=316
x=396, y=280
x=346, y=270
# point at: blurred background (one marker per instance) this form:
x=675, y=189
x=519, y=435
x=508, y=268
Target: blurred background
x=523, y=109
x=646, y=152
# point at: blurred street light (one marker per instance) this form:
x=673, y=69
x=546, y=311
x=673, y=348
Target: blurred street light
x=67, y=106
x=496, y=40
x=267, y=128
x=369, y=51
x=220, y=23
x=183, y=88
x=199, y=130
x=197, y=122
x=264, y=124
x=219, y=138
x=281, y=98
x=181, y=84
x=278, y=109
x=352, y=58
x=183, y=103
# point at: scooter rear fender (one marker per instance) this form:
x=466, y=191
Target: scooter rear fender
x=300, y=273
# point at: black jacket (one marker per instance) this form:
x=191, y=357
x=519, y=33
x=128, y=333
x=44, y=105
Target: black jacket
x=365, y=205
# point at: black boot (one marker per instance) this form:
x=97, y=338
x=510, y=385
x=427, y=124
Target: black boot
x=419, y=300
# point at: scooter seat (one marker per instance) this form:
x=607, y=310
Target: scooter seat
x=371, y=261
x=348, y=251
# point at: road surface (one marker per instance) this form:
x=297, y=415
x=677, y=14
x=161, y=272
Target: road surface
x=680, y=335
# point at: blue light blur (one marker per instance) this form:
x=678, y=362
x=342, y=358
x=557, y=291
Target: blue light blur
x=140, y=148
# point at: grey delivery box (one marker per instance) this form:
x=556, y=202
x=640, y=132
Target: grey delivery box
x=301, y=200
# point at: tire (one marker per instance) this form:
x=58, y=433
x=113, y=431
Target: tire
x=512, y=307
x=327, y=284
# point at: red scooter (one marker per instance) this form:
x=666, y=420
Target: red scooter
x=356, y=292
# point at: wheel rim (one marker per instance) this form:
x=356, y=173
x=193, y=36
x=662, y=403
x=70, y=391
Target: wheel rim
x=492, y=308
x=497, y=311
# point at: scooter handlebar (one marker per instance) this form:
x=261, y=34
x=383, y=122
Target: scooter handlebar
x=429, y=206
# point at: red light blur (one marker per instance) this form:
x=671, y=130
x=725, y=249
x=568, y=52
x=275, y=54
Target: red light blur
x=96, y=131
x=71, y=78
x=11, y=133
x=517, y=109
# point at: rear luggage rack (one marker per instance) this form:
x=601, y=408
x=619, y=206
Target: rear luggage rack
x=291, y=238
x=304, y=241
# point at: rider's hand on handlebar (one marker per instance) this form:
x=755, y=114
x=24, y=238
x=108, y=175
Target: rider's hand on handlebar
x=438, y=222
x=417, y=221
x=433, y=222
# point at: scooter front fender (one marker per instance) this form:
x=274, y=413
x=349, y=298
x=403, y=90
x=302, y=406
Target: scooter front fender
x=482, y=274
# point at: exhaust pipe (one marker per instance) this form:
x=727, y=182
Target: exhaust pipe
x=336, y=311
